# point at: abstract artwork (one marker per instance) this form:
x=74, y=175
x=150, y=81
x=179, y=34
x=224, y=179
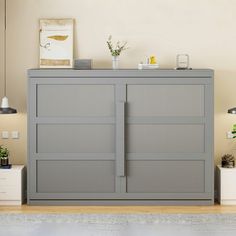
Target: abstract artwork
x=56, y=43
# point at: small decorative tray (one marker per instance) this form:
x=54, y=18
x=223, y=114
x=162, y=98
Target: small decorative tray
x=147, y=66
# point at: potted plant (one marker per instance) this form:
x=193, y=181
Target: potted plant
x=227, y=161
x=4, y=153
x=115, y=51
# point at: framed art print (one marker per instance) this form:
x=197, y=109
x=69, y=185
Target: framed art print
x=56, y=43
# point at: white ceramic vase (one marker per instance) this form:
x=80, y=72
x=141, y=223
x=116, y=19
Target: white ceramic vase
x=115, y=62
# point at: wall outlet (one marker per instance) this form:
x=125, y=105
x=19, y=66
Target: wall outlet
x=229, y=135
x=15, y=134
x=5, y=134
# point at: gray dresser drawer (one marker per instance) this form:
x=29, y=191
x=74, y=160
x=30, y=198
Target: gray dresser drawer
x=165, y=100
x=75, y=176
x=75, y=100
x=166, y=177
x=162, y=138
x=75, y=138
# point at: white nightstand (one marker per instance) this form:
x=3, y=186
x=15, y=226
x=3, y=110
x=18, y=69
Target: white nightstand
x=226, y=185
x=12, y=187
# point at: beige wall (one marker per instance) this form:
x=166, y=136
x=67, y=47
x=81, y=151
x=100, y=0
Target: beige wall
x=205, y=29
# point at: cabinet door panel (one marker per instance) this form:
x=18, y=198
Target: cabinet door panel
x=74, y=138
x=75, y=100
x=165, y=176
x=165, y=100
x=75, y=176
x=171, y=138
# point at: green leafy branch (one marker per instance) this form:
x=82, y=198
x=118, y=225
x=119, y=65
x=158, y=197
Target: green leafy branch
x=116, y=51
x=234, y=131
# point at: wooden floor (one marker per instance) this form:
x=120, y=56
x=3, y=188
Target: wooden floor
x=118, y=209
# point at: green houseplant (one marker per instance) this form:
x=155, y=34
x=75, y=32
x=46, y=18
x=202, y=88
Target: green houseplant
x=4, y=154
x=228, y=161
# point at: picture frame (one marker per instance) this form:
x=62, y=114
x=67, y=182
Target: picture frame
x=56, y=43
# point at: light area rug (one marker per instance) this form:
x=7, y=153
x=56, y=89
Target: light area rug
x=117, y=224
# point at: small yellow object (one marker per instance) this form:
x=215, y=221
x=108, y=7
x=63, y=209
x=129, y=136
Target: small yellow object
x=58, y=37
x=153, y=60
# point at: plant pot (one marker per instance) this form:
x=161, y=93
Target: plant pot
x=228, y=164
x=115, y=62
x=4, y=162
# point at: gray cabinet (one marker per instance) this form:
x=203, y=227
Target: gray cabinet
x=120, y=137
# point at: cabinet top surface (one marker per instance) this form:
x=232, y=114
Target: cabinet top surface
x=14, y=168
x=226, y=169
x=128, y=73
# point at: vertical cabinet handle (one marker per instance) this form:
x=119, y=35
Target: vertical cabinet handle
x=120, y=139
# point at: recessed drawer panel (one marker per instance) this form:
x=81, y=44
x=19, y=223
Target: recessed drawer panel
x=165, y=138
x=75, y=100
x=165, y=177
x=74, y=138
x=165, y=100
x=75, y=176
x=9, y=178
x=10, y=192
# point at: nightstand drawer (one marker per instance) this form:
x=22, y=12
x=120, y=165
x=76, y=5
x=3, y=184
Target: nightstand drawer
x=228, y=179
x=10, y=178
x=225, y=182
x=10, y=193
x=12, y=185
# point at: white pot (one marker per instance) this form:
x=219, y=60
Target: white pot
x=115, y=62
